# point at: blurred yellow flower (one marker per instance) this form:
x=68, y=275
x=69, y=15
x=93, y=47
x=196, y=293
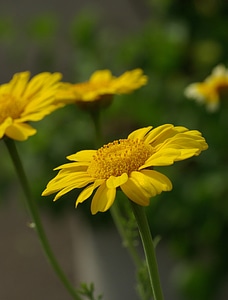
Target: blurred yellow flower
x=22, y=101
x=102, y=85
x=128, y=164
x=211, y=89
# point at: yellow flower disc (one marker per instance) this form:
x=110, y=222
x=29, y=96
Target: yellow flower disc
x=9, y=110
x=118, y=157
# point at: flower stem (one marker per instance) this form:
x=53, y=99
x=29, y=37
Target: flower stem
x=127, y=241
x=32, y=207
x=95, y=115
x=149, y=250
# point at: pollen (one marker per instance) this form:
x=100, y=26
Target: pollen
x=10, y=107
x=118, y=157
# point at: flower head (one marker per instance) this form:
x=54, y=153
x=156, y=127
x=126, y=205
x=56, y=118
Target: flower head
x=23, y=100
x=211, y=89
x=126, y=164
x=101, y=86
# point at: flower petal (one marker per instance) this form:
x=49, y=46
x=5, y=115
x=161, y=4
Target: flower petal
x=158, y=180
x=18, y=83
x=79, y=179
x=130, y=81
x=42, y=82
x=64, y=191
x=65, y=179
x=164, y=157
x=3, y=126
x=20, y=131
x=87, y=192
x=189, y=144
x=114, y=182
x=134, y=192
x=36, y=113
x=154, y=135
x=103, y=199
x=74, y=166
x=84, y=155
x=143, y=182
x=151, y=182
x=101, y=76
x=140, y=133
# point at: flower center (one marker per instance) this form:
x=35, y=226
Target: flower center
x=10, y=107
x=118, y=157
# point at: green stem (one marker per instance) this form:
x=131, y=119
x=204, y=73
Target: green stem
x=127, y=241
x=149, y=250
x=95, y=115
x=32, y=207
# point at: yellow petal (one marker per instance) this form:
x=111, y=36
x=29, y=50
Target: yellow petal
x=74, y=166
x=36, y=113
x=188, y=144
x=64, y=191
x=8, y=122
x=130, y=81
x=84, y=155
x=42, y=82
x=151, y=182
x=135, y=193
x=87, y=192
x=79, y=179
x=103, y=199
x=19, y=131
x=144, y=183
x=65, y=179
x=154, y=136
x=114, y=182
x=18, y=83
x=158, y=180
x=101, y=75
x=164, y=157
x=140, y=133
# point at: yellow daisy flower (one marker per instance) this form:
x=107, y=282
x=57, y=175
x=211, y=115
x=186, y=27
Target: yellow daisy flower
x=22, y=101
x=102, y=85
x=211, y=89
x=126, y=164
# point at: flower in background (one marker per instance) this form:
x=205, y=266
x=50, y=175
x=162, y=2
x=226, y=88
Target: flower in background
x=23, y=100
x=101, y=87
x=211, y=89
x=126, y=164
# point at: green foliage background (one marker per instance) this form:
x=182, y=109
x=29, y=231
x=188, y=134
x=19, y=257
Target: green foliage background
x=178, y=43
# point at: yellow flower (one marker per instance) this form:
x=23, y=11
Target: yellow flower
x=22, y=101
x=211, y=89
x=102, y=85
x=127, y=164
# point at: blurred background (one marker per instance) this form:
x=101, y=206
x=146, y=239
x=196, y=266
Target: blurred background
x=176, y=43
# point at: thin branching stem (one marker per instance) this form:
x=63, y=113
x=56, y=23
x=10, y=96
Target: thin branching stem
x=33, y=210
